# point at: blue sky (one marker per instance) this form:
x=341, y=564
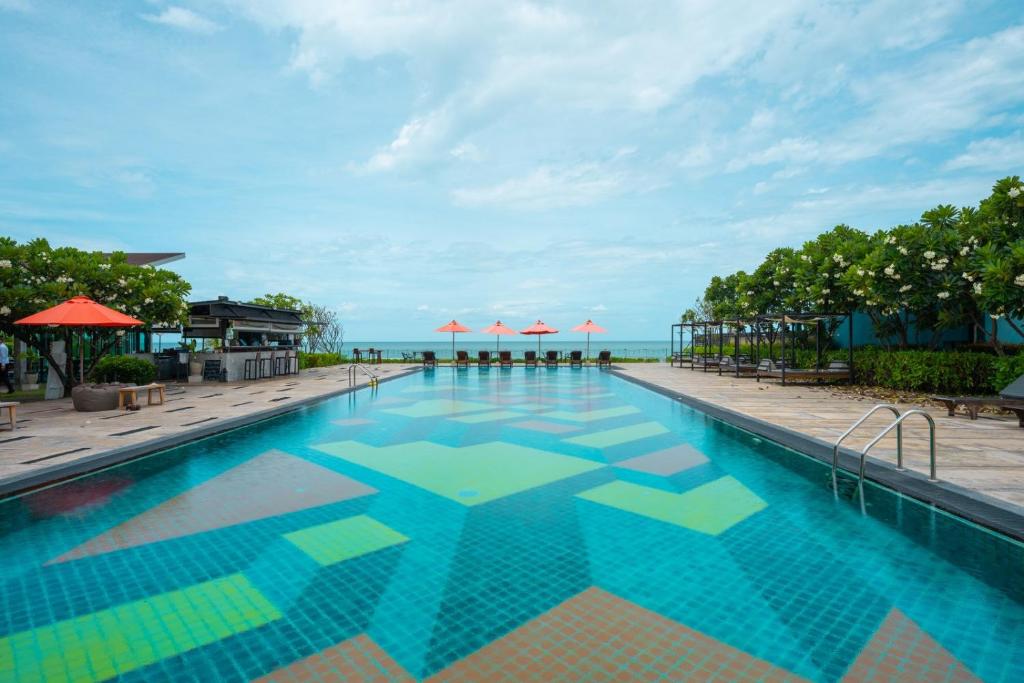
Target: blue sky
x=407, y=163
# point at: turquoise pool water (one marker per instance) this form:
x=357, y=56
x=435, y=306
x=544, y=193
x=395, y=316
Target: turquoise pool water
x=480, y=525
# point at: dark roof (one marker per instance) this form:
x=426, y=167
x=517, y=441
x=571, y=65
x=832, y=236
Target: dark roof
x=152, y=258
x=234, y=310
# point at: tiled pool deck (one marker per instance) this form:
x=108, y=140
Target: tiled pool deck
x=985, y=456
x=52, y=436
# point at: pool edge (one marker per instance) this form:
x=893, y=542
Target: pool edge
x=1005, y=518
x=18, y=484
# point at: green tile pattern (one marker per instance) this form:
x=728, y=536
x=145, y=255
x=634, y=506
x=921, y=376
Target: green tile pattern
x=342, y=540
x=620, y=435
x=439, y=407
x=477, y=418
x=470, y=475
x=710, y=509
x=591, y=415
x=114, y=641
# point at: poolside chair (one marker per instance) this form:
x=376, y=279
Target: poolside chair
x=461, y=359
x=530, y=359
x=483, y=359
x=429, y=359
x=576, y=359
x=551, y=359
x=505, y=358
x=604, y=359
x=1010, y=398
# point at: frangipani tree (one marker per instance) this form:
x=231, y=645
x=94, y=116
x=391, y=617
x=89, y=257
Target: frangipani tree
x=35, y=276
x=994, y=252
x=819, y=274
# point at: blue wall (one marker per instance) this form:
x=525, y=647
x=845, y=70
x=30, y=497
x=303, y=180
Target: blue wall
x=864, y=333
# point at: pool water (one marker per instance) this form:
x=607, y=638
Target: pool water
x=496, y=525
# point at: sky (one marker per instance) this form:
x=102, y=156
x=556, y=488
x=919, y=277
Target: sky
x=409, y=162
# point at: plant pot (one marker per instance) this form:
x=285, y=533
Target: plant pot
x=31, y=378
x=195, y=368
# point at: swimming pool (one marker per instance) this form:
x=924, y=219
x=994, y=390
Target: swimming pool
x=480, y=525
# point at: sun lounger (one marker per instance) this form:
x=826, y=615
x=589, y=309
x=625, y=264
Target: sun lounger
x=730, y=366
x=505, y=358
x=604, y=359
x=576, y=359
x=483, y=359
x=461, y=359
x=551, y=359
x=1010, y=398
x=836, y=370
x=681, y=359
x=530, y=359
x=429, y=359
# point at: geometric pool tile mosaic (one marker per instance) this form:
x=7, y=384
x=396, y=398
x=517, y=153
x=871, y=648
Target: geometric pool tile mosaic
x=597, y=636
x=470, y=475
x=270, y=484
x=609, y=548
x=115, y=641
x=344, y=539
x=356, y=659
x=666, y=462
x=900, y=650
x=710, y=509
x=619, y=435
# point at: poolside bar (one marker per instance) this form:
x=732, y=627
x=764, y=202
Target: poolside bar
x=250, y=341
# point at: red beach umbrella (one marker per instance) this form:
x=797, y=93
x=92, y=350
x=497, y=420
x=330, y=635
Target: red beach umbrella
x=453, y=327
x=589, y=327
x=539, y=328
x=499, y=328
x=80, y=312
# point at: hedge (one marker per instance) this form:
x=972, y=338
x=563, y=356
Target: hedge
x=318, y=360
x=127, y=369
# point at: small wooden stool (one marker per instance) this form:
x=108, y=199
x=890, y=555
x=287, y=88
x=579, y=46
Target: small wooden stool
x=133, y=394
x=12, y=412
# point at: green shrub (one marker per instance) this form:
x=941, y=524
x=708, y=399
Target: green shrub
x=929, y=371
x=125, y=369
x=319, y=360
x=1005, y=370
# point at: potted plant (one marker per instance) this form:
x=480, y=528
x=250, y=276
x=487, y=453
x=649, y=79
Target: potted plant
x=31, y=378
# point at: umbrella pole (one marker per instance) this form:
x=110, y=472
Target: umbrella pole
x=81, y=357
x=453, y=348
x=588, y=347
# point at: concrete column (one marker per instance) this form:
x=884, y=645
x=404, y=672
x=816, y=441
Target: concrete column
x=54, y=389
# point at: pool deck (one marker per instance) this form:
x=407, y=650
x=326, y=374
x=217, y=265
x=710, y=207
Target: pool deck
x=53, y=441
x=983, y=457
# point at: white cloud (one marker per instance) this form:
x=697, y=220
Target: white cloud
x=1004, y=155
x=548, y=187
x=184, y=19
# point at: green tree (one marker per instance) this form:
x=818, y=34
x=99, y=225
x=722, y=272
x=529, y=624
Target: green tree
x=35, y=276
x=820, y=269
x=993, y=252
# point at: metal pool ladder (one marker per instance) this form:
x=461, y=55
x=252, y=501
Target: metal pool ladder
x=374, y=380
x=896, y=424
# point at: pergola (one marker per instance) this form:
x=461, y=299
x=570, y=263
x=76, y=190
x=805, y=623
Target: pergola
x=784, y=369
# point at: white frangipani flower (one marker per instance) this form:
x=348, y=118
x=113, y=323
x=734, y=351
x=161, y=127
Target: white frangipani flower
x=943, y=295
x=977, y=288
x=1013, y=193
x=929, y=255
x=1019, y=280
x=906, y=288
x=5, y=263
x=4, y=310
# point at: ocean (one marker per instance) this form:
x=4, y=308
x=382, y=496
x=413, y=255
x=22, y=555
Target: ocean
x=443, y=349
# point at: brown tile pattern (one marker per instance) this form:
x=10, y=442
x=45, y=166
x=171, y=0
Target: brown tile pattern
x=356, y=659
x=666, y=462
x=264, y=486
x=596, y=636
x=901, y=651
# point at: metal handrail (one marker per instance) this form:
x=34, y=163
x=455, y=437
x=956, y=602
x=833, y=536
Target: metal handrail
x=858, y=423
x=898, y=424
x=352, y=374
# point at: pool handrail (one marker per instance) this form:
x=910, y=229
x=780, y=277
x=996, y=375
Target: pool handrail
x=858, y=423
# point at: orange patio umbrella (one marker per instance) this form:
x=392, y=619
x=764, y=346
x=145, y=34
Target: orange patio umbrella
x=80, y=312
x=453, y=327
x=539, y=328
x=589, y=327
x=499, y=328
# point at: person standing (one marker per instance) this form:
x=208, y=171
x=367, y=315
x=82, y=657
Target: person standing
x=5, y=364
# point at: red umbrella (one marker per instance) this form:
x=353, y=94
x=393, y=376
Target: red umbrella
x=453, y=327
x=499, y=328
x=589, y=327
x=80, y=311
x=538, y=328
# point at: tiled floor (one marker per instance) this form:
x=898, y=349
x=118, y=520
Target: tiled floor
x=986, y=455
